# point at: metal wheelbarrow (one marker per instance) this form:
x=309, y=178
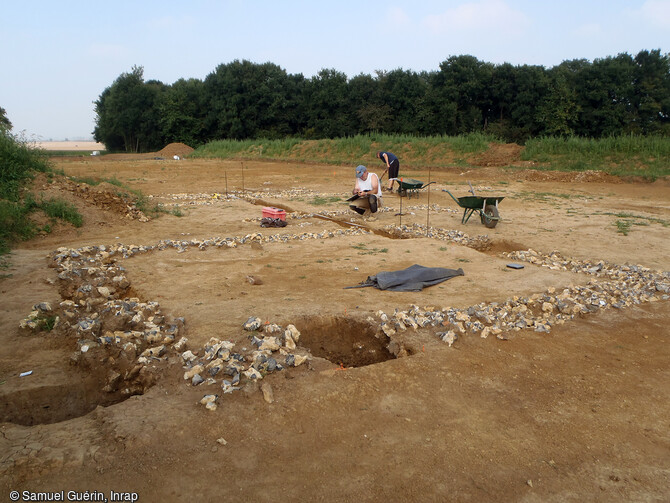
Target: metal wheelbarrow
x=410, y=186
x=487, y=207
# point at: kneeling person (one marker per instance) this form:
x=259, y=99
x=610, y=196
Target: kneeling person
x=368, y=190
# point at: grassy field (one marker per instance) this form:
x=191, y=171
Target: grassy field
x=646, y=157
x=422, y=150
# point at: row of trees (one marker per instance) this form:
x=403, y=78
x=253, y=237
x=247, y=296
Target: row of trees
x=616, y=95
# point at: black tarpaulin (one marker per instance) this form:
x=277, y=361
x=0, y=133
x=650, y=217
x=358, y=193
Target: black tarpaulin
x=413, y=279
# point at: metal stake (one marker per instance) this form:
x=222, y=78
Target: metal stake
x=400, y=195
x=428, y=212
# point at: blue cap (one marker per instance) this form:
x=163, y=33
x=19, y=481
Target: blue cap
x=360, y=170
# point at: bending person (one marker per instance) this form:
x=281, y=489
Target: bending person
x=392, y=166
x=367, y=190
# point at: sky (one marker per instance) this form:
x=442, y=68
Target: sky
x=58, y=57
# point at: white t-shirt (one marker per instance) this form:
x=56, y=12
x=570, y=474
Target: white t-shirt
x=367, y=184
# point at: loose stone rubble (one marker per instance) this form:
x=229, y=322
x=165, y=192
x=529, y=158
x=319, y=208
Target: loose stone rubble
x=622, y=286
x=97, y=311
x=481, y=243
x=236, y=369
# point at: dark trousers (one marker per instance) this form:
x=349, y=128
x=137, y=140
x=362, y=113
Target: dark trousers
x=363, y=203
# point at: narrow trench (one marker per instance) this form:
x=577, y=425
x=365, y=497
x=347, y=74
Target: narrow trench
x=338, y=221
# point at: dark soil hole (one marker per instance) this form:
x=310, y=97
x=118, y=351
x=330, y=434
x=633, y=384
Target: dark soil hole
x=344, y=340
x=54, y=403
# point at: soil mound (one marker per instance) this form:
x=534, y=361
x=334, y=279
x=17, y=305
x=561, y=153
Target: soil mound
x=167, y=152
x=173, y=149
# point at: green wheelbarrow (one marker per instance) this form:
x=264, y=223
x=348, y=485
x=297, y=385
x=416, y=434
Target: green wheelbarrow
x=487, y=207
x=409, y=186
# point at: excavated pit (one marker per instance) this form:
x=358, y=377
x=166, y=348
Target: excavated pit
x=345, y=341
x=54, y=403
x=89, y=380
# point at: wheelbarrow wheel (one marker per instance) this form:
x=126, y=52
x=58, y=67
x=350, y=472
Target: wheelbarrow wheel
x=490, y=216
x=402, y=192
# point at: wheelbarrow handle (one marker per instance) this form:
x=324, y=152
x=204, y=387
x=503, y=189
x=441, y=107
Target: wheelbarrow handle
x=452, y=196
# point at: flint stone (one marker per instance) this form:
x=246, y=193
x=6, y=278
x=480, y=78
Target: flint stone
x=542, y=327
x=181, y=344
x=188, y=356
x=253, y=374
x=295, y=360
x=294, y=332
x=268, y=394
x=43, y=307
x=448, y=337
x=88, y=325
x=272, y=328
x=388, y=330
x=197, y=369
x=85, y=345
x=156, y=351
x=289, y=343
x=270, y=343
x=209, y=401
x=105, y=291
x=252, y=324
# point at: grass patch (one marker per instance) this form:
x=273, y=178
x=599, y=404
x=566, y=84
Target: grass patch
x=623, y=226
x=647, y=157
x=663, y=222
x=366, y=251
x=97, y=181
x=47, y=323
x=422, y=150
x=626, y=155
x=18, y=164
x=16, y=224
x=546, y=196
x=319, y=201
x=627, y=220
x=57, y=208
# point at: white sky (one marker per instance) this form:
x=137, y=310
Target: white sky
x=58, y=57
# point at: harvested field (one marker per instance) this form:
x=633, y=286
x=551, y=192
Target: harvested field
x=70, y=145
x=546, y=383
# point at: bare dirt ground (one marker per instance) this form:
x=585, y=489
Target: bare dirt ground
x=581, y=413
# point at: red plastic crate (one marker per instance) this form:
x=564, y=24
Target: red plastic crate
x=271, y=212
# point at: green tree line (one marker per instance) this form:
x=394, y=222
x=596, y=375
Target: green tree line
x=616, y=95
